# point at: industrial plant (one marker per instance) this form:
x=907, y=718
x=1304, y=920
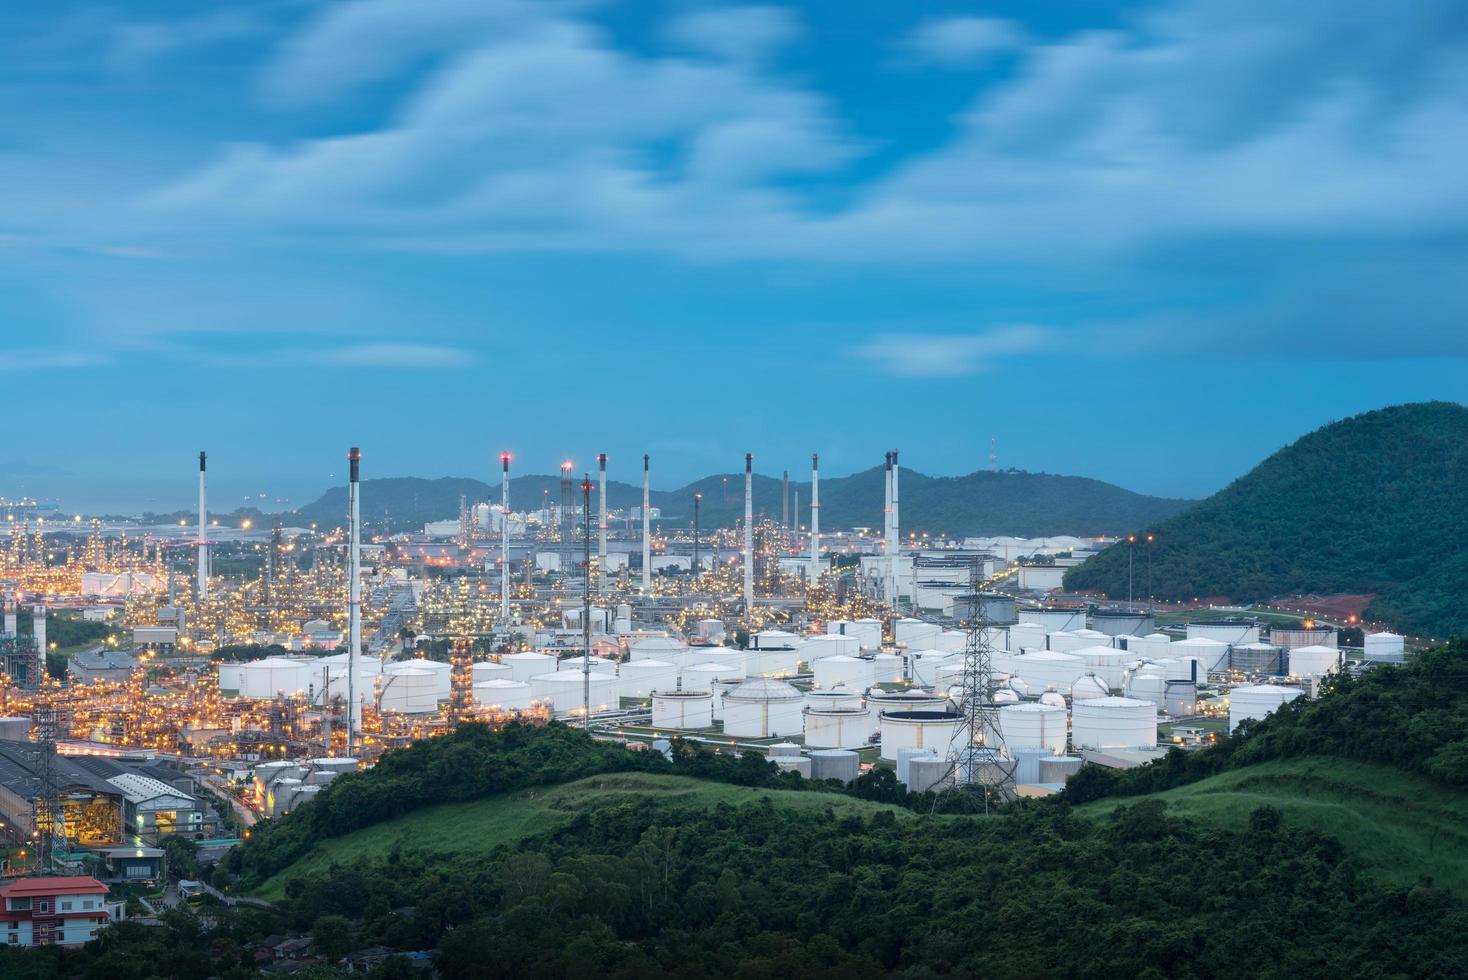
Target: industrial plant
x=244, y=668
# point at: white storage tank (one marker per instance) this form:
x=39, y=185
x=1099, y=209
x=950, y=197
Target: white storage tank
x=1064, y=642
x=1113, y=723
x=886, y=668
x=503, y=694
x=771, y=662
x=731, y=661
x=1314, y=661
x=524, y=666
x=1385, y=648
x=915, y=633
x=1146, y=686
x=837, y=728
x=229, y=678
x=1211, y=655
x=850, y=672
x=1046, y=669
x=1257, y=701
x=763, y=708
x=701, y=677
x=839, y=764
x=773, y=640
x=598, y=664
x=1225, y=631
x=1053, y=698
x=657, y=648
x=409, y=691
x=951, y=641
x=1153, y=646
x=488, y=670
x=909, y=700
x=932, y=730
x=1033, y=726
x=639, y=678
x=833, y=699
x=1026, y=636
x=924, y=665
x=263, y=679
x=1107, y=663
x=819, y=647
x=868, y=632
x=564, y=690
x=1088, y=687
x=722, y=688
x=682, y=709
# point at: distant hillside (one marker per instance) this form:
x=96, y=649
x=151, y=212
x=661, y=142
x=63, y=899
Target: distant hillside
x=1373, y=504
x=1007, y=502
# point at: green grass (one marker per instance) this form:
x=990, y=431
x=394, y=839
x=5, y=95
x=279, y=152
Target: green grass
x=1401, y=827
x=474, y=830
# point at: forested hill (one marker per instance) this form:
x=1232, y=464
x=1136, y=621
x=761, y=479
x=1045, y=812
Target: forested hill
x=1375, y=504
x=986, y=502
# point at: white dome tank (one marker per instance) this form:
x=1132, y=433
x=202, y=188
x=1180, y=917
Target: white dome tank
x=682, y=709
x=732, y=661
x=1005, y=696
x=1314, y=661
x=599, y=664
x=1113, y=723
x=657, y=648
x=1018, y=686
x=1089, y=686
x=722, y=688
x=763, y=708
x=1054, y=698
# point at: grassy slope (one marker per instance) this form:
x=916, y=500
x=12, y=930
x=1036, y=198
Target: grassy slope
x=1400, y=826
x=474, y=830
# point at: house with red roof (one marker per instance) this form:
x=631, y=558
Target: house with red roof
x=52, y=911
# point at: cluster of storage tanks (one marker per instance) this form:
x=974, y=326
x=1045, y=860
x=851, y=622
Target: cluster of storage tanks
x=284, y=786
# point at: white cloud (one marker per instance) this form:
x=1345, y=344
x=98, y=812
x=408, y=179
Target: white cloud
x=396, y=355
x=736, y=33
x=951, y=355
x=960, y=42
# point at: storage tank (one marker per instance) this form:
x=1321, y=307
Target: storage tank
x=773, y=640
x=1232, y=632
x=1211, y=655
x=793, y=763
x=639, y=678
x=1121, y=622
x=1314, y=661
x=441, y=675
x=924, y=665
x=1181, y=699
x=278, y=796
x=763, y=708
x=1032, y=725
x=722, y=688
x=1053, y=619
x=916, y=729
x=1053, y=698
x=909, y=700
x=1257, y=658
x=1087, y=687
x=1026, y=636
x=701, y=677
x=868, y=632
x=916, y=634
x=927, y=772
x=840, y=697
x=15, y=729
x=840, y=764
x=564, y=690
x=1384, y=648
x=657, y=648
x=1018, y=686
x=771, y=662
x=1147, y=687
x=229, y=678
x=886, y=668
x=952, y=641
x=1044, y=669
x=263, y=679
x=1107, y=663
x=1060, y=768
x=709, y=630
x=682, y=709
x=503, y=694
x=849, y=672
x=1257, y=701
x=819, y=647
x=1064, y=642
x=524, y=666
x=730, y=662
x=1005, y=696
x=1153, y=646
x=1113, y=723
x=599, y=664
x=488, y=670
x=1304, y=636
x=837, y=728
x=410, y=691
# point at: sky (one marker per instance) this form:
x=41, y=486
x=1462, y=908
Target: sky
x=1146, y=242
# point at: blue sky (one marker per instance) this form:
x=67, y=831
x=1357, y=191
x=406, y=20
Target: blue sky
x=1146, y=242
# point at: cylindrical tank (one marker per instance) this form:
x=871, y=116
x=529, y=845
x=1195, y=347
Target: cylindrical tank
x=1257, y=658
x=524, y=666
x=1005, y=696
x=886, y=668
x=1384, y=648
x=773, y=640
x=837, y=728
x=1232, y=632
x=793, y=763
x=926, y=772
x=926, y=663
x=1181, y=699
x=838, y=764
x=867, y=632
x=1147, y=687
x=488, y=670
x=564, y=690
x=1257, y=701
x=1087, y=687
x=1113, y=723
x=1026, y=636
x=1316, y=661
x=410, y=691
x=657, y=648
x=229, y=678
x=1046, y=669
x=278, y=796
x=503, y=694
x=1018, y=686
x=819, y=647
x=15, y=729
x=915, y=634
x=1211, y=654
x=599, y=664
x=848, y=672
x=639, y=678
x=763, y=708
x=829, y=700
x=1033, y=726
x=916, y=729
x=682, y=709
x=722, y=688
x=701, y=677
x=263, y=679
x=1060, y=768
x=771, y=662
x=732, y=662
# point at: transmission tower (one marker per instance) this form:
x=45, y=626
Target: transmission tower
x=48, y=805
x=977, y=761
x=461, y=679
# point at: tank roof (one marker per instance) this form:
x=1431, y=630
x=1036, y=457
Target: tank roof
x=763, y=689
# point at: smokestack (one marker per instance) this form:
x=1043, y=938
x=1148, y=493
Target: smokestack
x=505, y=541
x=896, y=551
x=748, y=534
x=38, y=629
x=646, y=529
x=887, y=525
x=815, y=517
x=601, y=529
x=785, y=500
x=203, y=587
x=354, y=597
x=10, y=627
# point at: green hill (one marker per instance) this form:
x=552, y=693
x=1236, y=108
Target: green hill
x=1374, y=504
x=986, y=502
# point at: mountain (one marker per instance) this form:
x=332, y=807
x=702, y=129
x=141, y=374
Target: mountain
x=1373, y=505
x=986, y=502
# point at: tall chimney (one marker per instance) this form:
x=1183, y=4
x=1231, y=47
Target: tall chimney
x=785, y=500
x=10, y=626
x=815, y=517
x=601, y=529
x=887, y=531
x=203, y=588
x=354, y=597
x=38, y=629
x=646, y=529
x=748, y=534
x=505, y=541
x=896, y=551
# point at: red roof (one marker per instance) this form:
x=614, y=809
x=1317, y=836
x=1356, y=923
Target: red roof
x=55, y=885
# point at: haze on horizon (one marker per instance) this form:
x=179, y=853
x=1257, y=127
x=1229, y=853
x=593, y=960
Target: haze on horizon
x=1146, y=242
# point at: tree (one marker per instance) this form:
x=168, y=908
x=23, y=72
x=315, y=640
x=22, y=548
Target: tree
x=334, y=936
